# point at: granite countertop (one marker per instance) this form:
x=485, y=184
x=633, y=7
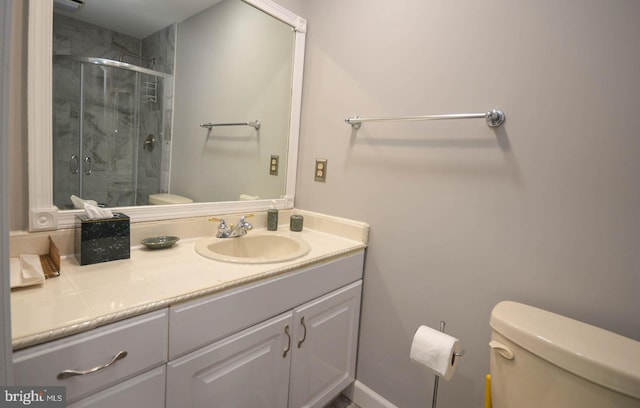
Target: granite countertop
x=85, y=297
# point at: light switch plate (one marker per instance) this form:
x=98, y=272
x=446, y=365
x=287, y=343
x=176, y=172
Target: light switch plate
x=321, y=170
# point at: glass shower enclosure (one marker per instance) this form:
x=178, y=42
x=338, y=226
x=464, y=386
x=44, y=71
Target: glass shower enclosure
x=108, y=131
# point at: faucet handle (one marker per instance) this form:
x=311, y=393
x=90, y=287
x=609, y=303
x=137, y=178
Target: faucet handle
x=223, y=229
x=220, y=220
x=232, y=231
x=243, y=223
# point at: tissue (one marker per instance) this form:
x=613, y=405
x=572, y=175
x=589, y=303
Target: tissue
x=96, y=213
x=79, y=202
x=91, y=209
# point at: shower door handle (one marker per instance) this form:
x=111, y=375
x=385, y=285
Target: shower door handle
x=88, y=165
x=149, y=143
x=74, y=164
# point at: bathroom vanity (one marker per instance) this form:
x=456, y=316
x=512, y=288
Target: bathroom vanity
x=181, y=329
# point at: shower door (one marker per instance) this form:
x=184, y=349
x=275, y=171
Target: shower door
x=95, y=134
x=108, y=135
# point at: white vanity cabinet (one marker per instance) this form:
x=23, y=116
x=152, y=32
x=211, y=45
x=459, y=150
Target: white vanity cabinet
x=289, y=340
x=120, y=355
x=303, y=357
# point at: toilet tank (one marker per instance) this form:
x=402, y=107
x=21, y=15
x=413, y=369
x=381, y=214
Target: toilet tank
x=541, y=359
x=166, y=198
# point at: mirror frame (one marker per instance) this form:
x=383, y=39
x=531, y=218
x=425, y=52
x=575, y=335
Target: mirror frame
x=44, y=215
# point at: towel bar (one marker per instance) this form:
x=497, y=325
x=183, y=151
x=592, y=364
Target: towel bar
x=494, y=117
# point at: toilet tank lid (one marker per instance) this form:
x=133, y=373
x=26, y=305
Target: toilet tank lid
x=595, y=354
x=167, y=198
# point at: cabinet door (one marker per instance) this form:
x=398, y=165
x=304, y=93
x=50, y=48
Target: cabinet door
x=144, y=391
x=325, y=345
x=249, y=369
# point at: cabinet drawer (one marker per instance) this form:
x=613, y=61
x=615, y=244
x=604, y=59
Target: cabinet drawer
x=144, y=338
x=142, y=391
x=201, y=322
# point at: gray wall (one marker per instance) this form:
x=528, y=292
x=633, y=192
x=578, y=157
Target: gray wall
x=545, y=210
x=233, y=64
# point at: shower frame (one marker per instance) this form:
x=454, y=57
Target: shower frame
x=106, y=63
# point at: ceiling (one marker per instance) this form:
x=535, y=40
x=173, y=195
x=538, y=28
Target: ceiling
x=137, y=18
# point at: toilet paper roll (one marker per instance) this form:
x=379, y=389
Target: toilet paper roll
x=435, y=350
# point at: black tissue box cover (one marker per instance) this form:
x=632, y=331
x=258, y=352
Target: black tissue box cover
x=102, y=240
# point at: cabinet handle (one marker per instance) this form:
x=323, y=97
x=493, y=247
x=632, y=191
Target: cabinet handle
x=286, y=350
x=304, y=335
x=72, y=373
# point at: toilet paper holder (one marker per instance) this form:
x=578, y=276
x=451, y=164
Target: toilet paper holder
x=457, y=354
x=437, y=380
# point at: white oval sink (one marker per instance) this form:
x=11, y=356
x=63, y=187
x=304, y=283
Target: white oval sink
x=253, y=248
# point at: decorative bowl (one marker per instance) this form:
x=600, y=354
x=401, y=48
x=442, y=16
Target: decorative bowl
x=161, y=242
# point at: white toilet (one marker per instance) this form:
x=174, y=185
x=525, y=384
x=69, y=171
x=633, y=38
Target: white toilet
x=166, y=198
x=543, y=360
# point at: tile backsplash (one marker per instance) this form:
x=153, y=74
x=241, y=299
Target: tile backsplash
x=187, y=228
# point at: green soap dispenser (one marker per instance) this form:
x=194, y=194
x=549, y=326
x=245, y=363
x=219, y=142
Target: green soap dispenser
x=272, y=217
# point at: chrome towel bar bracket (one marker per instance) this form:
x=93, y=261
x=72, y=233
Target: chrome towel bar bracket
x=494, y=118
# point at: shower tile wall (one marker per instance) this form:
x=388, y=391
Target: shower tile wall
x=110, y=138
x=155, y=117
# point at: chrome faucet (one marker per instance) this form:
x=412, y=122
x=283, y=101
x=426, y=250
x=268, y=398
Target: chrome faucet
x=233, y=231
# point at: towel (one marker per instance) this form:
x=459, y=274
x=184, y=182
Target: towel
x=26, y=271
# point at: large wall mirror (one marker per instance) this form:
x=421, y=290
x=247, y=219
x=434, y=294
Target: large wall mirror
x=184, y=113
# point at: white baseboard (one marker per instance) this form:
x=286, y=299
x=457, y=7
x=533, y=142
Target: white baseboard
x=365, y=397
